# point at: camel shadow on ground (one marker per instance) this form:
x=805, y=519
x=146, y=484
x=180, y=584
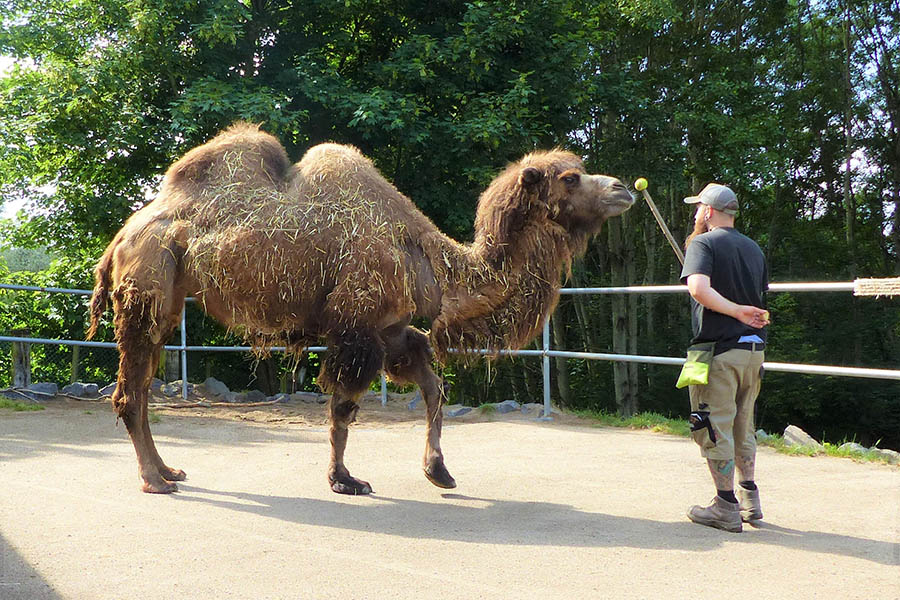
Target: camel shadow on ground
x=505, y=522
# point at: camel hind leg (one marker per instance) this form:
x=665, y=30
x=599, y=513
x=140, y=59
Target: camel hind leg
x=352, y=361
x=409, y=360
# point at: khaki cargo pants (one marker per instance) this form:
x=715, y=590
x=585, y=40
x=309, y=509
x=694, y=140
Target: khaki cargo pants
x=734, y=382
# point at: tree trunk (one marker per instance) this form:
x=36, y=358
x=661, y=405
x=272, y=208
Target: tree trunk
x=73, y=372
x=626, y=400
x=21, y=360
x=173, y=365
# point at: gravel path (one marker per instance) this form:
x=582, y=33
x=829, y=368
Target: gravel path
x=543, y=510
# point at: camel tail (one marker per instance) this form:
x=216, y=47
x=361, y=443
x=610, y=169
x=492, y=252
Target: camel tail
x=100, y=297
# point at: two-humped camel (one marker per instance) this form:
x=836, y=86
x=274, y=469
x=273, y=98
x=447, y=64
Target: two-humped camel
x=328, y=248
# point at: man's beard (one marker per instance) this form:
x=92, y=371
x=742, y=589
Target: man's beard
x=700, y=226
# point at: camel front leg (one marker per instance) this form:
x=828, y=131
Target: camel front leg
x=409, y=360
x=343, y=412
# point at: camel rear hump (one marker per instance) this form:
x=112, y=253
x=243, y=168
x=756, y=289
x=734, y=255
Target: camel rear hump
x=242, y=150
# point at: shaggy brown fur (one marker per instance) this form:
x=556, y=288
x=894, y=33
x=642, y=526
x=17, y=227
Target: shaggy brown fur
x=328, y=248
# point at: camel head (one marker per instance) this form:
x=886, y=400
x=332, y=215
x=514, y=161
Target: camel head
x=549, y=187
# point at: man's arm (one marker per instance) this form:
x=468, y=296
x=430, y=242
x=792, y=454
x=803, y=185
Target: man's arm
x=701, y=290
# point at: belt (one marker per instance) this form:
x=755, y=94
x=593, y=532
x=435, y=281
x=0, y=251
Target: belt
x=751, y=346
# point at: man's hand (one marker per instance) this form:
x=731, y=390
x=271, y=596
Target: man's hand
x=752, y=316
x=701, y=290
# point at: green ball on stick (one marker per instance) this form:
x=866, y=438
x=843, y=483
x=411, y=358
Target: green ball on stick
x=640, y=184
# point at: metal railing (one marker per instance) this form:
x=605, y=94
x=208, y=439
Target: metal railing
x=545, y=352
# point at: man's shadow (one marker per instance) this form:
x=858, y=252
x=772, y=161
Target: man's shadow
x=505, y=522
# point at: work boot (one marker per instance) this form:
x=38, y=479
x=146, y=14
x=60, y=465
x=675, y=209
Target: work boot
x=720, y=514
x=751, y=509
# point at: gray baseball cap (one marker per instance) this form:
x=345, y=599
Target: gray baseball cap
x=719, y=196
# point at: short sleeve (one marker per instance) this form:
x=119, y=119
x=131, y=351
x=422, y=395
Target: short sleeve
x=697, y=259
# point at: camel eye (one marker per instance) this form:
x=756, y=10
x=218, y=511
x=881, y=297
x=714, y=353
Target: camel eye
x=570, y=179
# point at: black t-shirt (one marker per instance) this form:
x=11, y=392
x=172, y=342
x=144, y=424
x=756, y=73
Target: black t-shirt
x=737, y=270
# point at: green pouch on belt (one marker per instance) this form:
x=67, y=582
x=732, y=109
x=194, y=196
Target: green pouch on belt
x=696, y=368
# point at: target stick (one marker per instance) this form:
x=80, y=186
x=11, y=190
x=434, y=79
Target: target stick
x=641, y=185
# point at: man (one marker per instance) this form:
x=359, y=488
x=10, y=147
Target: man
x=726, y=275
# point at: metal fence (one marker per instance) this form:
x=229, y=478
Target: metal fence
x=545, y=353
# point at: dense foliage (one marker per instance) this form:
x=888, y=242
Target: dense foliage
x=793, y=103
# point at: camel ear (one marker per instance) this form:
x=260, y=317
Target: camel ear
x=530, y=176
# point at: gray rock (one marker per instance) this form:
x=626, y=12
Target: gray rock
x=109, y=389
x=156, y=384
x=794, y=436
x=50, y=389
x=892, y=456
x=308, y=397
x=279, y=397
x=228, y=397
x=532, y=408
x=854, y=447
x=170, y=390
x=215, y=387
x=508, y=406
x=415, y=400
x=457, y=410
x=76, y=389
x=255, y=396
x=762, y=435
x=73, y=389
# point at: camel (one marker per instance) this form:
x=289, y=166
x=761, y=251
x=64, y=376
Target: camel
x=328, y=248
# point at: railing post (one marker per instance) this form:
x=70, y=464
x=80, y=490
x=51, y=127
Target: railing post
x=383, y=390
x=184, y=384
x=545, y=368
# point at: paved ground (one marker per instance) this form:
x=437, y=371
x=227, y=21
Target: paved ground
x=543, y=510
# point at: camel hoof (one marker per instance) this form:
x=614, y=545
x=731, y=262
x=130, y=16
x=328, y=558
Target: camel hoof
x=165, y=487
x=170, y=474
x=351, y=486
x=438, y=474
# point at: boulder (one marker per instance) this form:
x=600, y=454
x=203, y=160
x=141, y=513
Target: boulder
x=309, y=397
x=255, y=396
x=82, y=390
x=108, y=389
x=215, y=387
x=892, y=456
x=279, y=398
x=170, y=390
x=508, y=406
x=761, y=435
x=417, y=397
x=853, y=447
x=44, y=389
x=456, y=410
x=156, y=384
x=794, y=436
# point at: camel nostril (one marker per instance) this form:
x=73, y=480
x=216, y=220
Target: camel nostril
x=618, y=185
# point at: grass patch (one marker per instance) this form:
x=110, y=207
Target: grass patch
x=649, y=420
x=153, y=417
x=661, y=424
x=868, y=455
x=487, y=409
x=18, y=406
